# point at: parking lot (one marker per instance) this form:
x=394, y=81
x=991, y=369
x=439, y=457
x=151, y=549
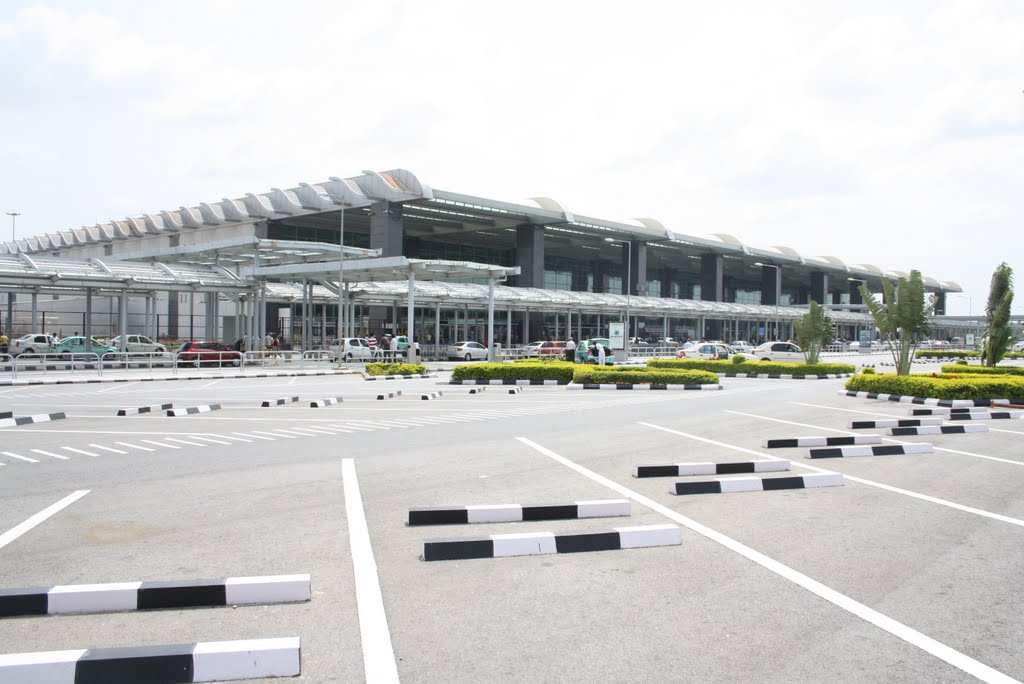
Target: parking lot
x=907, y=572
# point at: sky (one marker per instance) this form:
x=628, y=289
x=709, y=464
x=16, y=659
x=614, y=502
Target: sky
x=878, y=132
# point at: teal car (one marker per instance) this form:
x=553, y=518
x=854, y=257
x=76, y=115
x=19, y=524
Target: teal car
x=76, y=345
x=586, y=351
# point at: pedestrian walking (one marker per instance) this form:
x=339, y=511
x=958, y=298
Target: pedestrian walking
x=570, y=350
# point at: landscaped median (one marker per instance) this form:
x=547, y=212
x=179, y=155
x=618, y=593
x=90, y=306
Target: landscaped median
x=944, y=386
x=559, y=372
x=624, y=377
x=396, y=369
x=756, y=368
x=960, y=369
x=958, y=354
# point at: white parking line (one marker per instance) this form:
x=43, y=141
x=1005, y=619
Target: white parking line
x=20, y=458
x=79, y=451
x=927, y=644
x=209, y=439
x=134, y=446
x=870, y=483
x=18, y=530
x=47, y=453
x=278, y=432
x=160, y=444
x=247, y=434
x=116, y=451
x=185, y=441
x=115, y=387
x=378, y=654
x=302, y=431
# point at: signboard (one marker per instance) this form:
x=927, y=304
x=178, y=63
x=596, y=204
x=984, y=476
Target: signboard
x=617, y=335
x=865, y=342
x=970, y=339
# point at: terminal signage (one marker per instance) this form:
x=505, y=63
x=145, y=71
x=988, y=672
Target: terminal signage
x=617, y=335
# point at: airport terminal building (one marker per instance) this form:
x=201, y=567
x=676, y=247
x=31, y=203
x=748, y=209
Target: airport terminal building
x=384, y=248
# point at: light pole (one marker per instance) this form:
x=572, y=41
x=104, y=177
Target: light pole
x=14, y=217
x=629, y=279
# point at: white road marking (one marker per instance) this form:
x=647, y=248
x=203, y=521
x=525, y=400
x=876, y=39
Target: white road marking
x=185, y=441
x=378, y=654
x=268, y=439
x=260, y=432
x=281, y=432
x=958, y=660
x=209, y=384
x=79, y=451
x=21, y=458
x=134, y=446
x=18, y=530
x=349, y=426
x=116, y=387
x=210, y=439
x=884, y=439
x=160, y=444
x=116, y=451
x=870, y=483
x=301, y=430
x=47, y=453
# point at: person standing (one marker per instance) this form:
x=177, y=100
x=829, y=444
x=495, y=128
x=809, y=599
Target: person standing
x=600, y=354
x=4, y=342
x=570, y=350
x=385, y=346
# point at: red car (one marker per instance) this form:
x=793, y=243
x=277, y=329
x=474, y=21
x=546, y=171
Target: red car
x=197, y=353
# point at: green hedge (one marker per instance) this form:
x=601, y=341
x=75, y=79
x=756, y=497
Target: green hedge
x=640, y=375
x=957, y=369
x=395, y=369
x=753, y=367
x=981, y=387
x=939, y=354
x=514, y=371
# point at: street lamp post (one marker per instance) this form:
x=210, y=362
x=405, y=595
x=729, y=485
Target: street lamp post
x=14, y=217
x=629, y=279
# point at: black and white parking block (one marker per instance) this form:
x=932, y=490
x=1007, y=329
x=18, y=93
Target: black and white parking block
x=320, y=403
x=685, y=469
x=126, y=596
x=515, y=390
x=205, y=661
x=820, y=441
x=191, y=410
x=938, y=430
x=542, y=543
x=757, y=484
x=431, y=395
x=477, y=390
x=279, y=402
x=499, y=513
x=943, y=411
x=29, y=420
x=389, y=395
x=10, y=414
x=986, y=415
x=882, y=450
x=144, y=409
x=898, y=422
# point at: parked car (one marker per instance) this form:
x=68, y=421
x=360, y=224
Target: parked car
x=546, y=348
x=778, y=351
x=137, y=344
x=468, y=351
x=1018, y=346
x=198, y=353
x=353, y=348
x=705, y=350
x=34, y=343
x=70, y=346
x=875, y=345
x=741, y=347
x=586, y=351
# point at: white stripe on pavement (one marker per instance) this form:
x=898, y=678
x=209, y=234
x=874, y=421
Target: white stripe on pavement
x=116, y=451
x=134, y=446
x=159, y=444
x=185, y=441
x=47, y=453
x=18, y=530
x=79, y=451
x=20, y=458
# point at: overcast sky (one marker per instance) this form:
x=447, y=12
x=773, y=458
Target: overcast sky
x=879, y=136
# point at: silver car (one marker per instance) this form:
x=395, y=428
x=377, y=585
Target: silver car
x=467, y=351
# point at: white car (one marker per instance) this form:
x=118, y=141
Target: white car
x=704, y=350
x=741, y=347
x=354, y=348
x=875, y=345
x=138, y=344
x=467, y=351
x=778, y=351
x=35, y=343
x=1018, y=347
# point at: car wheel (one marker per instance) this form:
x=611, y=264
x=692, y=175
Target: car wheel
x=159, y=350
x=236, y=362
x=348, y=357
x=469, y=357
x=30, y=350
x=764, y=358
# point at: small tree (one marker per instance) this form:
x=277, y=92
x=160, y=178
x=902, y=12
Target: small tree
x=902, y=319
x=997, y=311
x=814, y=331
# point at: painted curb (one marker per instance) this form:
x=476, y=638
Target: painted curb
x=499, y=513
x=543, y=543
x=883, y=450
x=192, y=410
x=898, y=422
x=477, y=390
x=432, y=395
x=987, y=415
x=198, y=662
x=820, y=441
x=516, y=390
x=10, y=414
x=320, y=403
x=926, y=401
x=684, y=469
x=144, y=409
x=127, y=596
x=639, y=386
x=943, y=411
x=757, y=484
x=525, y=383
x=787, y=376
x=278, y=402
x=938, y=430
x=389, y=395
x=89, y=381
x=29, y=420
x=395, y=377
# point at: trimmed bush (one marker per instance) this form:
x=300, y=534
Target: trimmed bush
x=737, y=358
x=515, y=371
x=868, y=371
x=753, y=367
x=979, y=387
x=395, y=369
x=940, y=354
x=983, y=370
x=642, y=376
